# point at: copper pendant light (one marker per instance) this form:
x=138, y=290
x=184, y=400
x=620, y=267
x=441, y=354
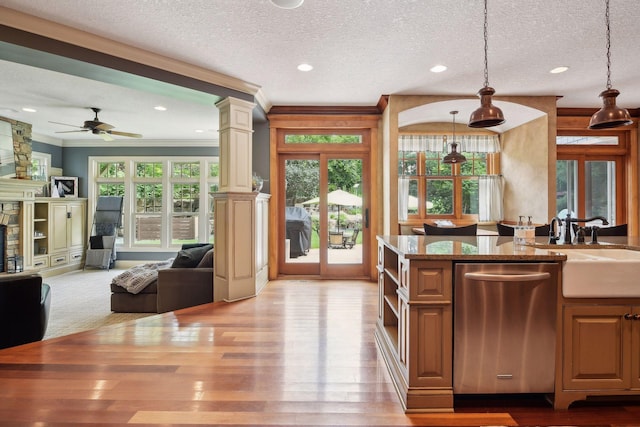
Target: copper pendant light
x=454, y=156
x=487, y=115
x=610, y=115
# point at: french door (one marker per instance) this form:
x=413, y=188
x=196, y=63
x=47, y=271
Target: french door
x=324, y=219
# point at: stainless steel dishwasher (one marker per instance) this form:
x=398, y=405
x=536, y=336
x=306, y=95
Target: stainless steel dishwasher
x=504, y=327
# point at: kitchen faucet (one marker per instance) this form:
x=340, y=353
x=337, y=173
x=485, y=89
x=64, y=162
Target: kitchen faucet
x=555, y=221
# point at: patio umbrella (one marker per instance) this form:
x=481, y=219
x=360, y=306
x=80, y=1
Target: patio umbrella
x=338, y=198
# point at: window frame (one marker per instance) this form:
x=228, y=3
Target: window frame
x=583, y=153
x=204, y=231
x=492, y=162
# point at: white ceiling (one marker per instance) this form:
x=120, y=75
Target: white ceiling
x=360, y=50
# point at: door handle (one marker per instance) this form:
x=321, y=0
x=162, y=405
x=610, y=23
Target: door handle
x=366, y=218
x=507, y=277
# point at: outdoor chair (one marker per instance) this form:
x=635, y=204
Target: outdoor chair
x=336, y=240
x=350, y=240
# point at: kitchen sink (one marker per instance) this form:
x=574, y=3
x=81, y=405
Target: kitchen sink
x=601, y=273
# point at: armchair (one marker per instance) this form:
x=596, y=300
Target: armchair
x=24, y=309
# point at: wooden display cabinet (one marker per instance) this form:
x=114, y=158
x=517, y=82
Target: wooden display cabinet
x=414, y=329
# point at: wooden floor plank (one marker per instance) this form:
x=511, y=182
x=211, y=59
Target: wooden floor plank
x=302, y=353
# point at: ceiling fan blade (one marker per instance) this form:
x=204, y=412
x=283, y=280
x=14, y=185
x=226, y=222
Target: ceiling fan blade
x=130, y=135
x=73, y=131
x=105, y=136
x=103, y=126
x=66, y=124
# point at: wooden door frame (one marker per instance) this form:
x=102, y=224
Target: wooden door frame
x=280, y=124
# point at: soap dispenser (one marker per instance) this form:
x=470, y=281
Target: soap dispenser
x=530, y=233
x=519, y=232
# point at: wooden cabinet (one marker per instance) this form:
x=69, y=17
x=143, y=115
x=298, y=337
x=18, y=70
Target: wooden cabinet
x=414, y=329
x=601, y=351
x=59, y=235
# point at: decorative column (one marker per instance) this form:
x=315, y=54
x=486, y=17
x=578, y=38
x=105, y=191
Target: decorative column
x=237, y=273
x=236, y=132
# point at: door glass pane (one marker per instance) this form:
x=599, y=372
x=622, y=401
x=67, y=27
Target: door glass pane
x=600, y=183
x=302, y=190
x=344, y=211
x=440, y=196
x=566, y=187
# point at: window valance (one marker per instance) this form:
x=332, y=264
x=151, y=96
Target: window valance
x=435, y=143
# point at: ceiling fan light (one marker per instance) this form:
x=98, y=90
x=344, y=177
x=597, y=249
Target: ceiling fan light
x=610, y=115
x=287, y=4
x=487, y=115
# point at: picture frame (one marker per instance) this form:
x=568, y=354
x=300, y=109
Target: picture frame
x=65, y=186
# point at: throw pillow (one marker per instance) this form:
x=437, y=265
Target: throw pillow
x=95, y=242
x=207, y=260
x=189, y=258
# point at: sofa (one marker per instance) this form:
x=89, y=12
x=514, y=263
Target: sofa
x=186, y=283
x=24, y=309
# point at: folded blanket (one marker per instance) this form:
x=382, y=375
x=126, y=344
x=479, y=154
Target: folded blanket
x=139, y=277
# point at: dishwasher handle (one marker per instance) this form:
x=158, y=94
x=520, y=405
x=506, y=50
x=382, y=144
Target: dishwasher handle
x=525, y=277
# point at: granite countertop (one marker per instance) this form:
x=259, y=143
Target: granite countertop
x=490, y=248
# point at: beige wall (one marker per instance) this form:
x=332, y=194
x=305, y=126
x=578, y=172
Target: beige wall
x=525, y=167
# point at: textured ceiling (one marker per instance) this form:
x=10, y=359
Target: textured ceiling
x=362, y=49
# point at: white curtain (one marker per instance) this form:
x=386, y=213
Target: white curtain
x=435, y=143
x=403, y=198
x=490, y=198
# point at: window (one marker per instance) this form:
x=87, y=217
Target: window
x=590, y=177
x=322, y=139
x=40, y=163
x=440, y=190
x=153, y=217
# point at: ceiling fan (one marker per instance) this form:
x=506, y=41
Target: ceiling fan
x=96, y=127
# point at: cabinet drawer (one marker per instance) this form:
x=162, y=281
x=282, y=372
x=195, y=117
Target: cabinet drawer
x=58, y=259
x=41, y=262
x=76, y=256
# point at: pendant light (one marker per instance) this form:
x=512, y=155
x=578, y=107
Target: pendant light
x=454, y=156
x=488, y=114
x=610, y=115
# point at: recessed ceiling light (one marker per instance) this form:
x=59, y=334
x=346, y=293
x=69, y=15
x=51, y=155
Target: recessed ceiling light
x=29, y=110
x=305, y=67
x=199, y=131
x=160, y=108
x=438, y=68
x=287, y=4
x=559, y=70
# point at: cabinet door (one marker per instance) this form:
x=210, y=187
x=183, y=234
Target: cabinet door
x=597, y=347
x=58, y=227
x=76, y=225
x=635, y=348
x=430, y=346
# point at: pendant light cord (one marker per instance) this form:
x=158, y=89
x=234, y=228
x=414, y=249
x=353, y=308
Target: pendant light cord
x=606, y=17
x=486, y=49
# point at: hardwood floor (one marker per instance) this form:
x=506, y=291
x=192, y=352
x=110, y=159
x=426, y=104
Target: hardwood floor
x=300, y=354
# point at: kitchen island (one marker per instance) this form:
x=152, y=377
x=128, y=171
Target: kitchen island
x=415, y=328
